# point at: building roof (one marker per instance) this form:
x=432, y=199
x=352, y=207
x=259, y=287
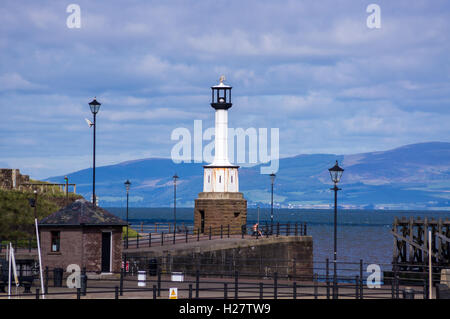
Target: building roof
x=82, y=213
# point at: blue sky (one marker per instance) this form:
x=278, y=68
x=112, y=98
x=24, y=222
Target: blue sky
x=313, y=69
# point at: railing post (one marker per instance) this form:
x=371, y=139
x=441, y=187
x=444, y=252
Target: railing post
x=275, y=285
x=327, y=278
x=162, y=238
x=221, y=231
x=116, y=294
x=236, y=284
x=278, y=229
x=209, y=232
x=316, y=288
x=190, y=291
x=361, y=287
x=356, y=287
x=296, y=229
x=46, y=281
x=29, y=245
x=361, y=278
x=187, y=235
x=37, y=293
x=154, y=291
x=397, y=284
x=294, y=292
x=137, y=241
x=228, y=230
x=198, y=234
x=197, y=284
x=174, y=237
x=225, y=291
x=149, y=239
x=159, y=282
x=288, y=226
x=83, y=281
x=121, y=281
x=78, y=293
x=261, y=295
x=425, y=290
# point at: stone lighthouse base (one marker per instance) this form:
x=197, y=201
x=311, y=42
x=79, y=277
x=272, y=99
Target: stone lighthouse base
x=215, y=210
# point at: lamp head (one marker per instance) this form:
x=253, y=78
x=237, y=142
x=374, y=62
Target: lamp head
x=95, y=106
x=127, y=185
x=336, y=173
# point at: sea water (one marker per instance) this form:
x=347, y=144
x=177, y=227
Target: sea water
x=361, y=234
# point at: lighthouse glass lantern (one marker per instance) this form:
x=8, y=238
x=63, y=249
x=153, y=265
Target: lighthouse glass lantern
x=221, y=95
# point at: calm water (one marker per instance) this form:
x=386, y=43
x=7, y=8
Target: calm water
x=362, y=234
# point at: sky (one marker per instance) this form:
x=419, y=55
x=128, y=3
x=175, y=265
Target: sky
x=312, y=69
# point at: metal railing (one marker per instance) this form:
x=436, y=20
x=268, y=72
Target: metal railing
x=209, y=233
x=235, y=285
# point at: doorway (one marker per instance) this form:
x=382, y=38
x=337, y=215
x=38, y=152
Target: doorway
x=106, y=252
x=202, y=221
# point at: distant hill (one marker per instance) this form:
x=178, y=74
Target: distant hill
x=414, y=176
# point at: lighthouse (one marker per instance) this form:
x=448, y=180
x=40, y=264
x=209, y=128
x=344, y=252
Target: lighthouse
x=220, y=205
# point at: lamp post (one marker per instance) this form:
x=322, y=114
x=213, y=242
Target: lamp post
x=336, y=174
x=127, y=187
x=33, y=203
x=175, y=177
x=95, y=107
x=67, y=189
x=272, y=180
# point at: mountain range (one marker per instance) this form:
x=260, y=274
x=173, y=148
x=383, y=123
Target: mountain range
x=415, y=176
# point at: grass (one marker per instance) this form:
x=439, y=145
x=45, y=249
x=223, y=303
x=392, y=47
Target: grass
x=17, y=215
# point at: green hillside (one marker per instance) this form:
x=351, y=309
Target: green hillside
x=17, y=216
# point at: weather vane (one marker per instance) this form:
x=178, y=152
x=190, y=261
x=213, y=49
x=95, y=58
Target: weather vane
x=222, y=78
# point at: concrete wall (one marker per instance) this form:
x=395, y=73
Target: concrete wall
x=288, y=256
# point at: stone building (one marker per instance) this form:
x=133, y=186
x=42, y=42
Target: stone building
x=10, y=178
x=84, y=235
x=220, y=203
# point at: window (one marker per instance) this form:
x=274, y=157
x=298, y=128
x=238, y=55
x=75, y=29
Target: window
x=55, y=240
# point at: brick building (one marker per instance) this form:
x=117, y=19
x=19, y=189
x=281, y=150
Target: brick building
x=83, y=235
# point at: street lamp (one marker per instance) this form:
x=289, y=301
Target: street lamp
x=33, y=203
x=95, y=107
x=336, y=174
x=67, y=189
x=127, y=187
x=272, y=179
x=175, y=177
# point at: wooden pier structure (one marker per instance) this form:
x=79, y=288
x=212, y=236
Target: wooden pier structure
x=411, y=243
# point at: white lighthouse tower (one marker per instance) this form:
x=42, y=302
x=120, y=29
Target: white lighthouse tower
x=220, y=204
x=221, y=175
